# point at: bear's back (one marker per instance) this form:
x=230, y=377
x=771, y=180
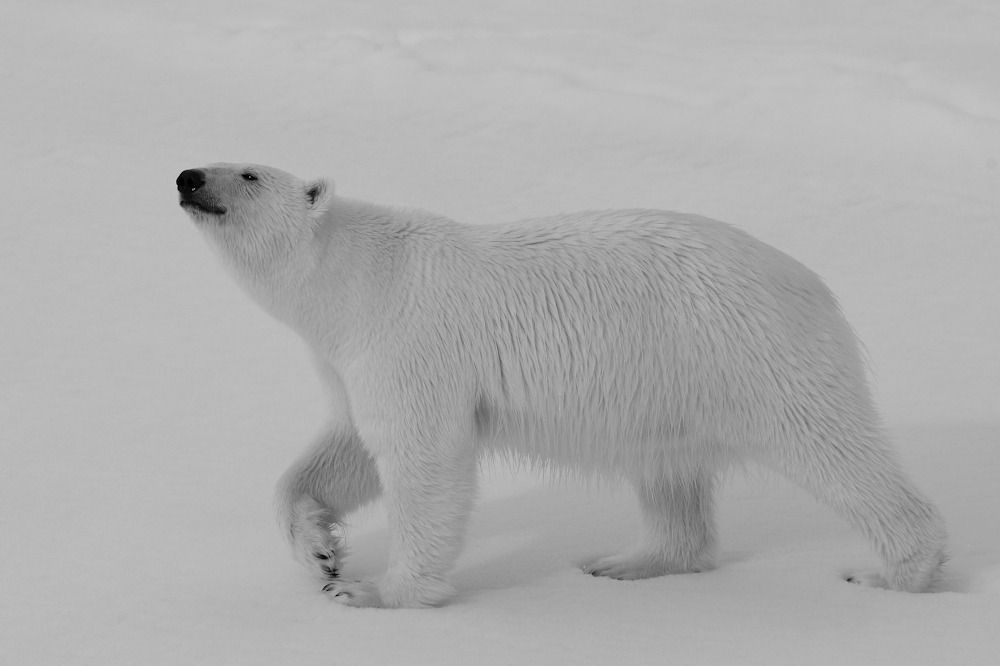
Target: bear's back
x=663, y=319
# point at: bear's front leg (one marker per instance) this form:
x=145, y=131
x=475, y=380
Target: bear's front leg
x=334, y=477
x=428, y=491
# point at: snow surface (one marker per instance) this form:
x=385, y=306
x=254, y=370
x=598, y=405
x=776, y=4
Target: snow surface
x=147, y=407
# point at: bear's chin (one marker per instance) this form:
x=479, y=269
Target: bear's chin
x=199, y=210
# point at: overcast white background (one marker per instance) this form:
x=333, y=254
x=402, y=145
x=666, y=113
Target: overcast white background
x=147, y=407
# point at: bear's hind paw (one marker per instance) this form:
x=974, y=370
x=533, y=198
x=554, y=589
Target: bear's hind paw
x=866, y=579
x=637, y=566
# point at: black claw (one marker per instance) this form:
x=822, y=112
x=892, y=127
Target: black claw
x=331, y=572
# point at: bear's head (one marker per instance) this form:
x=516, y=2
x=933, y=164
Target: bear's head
x=256, y=216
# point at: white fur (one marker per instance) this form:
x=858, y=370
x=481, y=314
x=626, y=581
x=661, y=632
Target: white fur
x=648, y=346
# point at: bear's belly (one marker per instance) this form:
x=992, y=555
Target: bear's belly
x=592, y=442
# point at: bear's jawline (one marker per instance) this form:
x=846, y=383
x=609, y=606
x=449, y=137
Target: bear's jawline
x=211, y=210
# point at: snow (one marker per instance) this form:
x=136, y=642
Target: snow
x=147, y=407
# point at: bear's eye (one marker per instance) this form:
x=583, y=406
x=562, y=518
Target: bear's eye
x=249, y=176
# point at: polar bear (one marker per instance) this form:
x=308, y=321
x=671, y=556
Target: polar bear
x=651, y=347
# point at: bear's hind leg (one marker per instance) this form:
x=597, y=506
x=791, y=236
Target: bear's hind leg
x=679, y=517
x=334, y=477
x=859, y=477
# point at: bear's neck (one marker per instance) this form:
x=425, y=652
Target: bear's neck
x=270, y=274
x=320, y=286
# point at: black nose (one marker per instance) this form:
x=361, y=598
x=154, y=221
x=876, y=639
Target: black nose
x=190, y=180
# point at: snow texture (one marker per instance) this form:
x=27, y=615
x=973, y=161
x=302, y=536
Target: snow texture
x=147, y=407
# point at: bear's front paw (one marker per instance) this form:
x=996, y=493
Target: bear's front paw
x=317, y=541
x=325, y=562
x=355, y=593
x=322, y=551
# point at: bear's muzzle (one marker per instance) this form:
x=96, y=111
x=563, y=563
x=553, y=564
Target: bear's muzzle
x=191, y=185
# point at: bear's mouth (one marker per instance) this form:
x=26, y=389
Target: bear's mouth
x=197, y=206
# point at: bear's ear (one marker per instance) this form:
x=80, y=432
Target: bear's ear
x=318, y=194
